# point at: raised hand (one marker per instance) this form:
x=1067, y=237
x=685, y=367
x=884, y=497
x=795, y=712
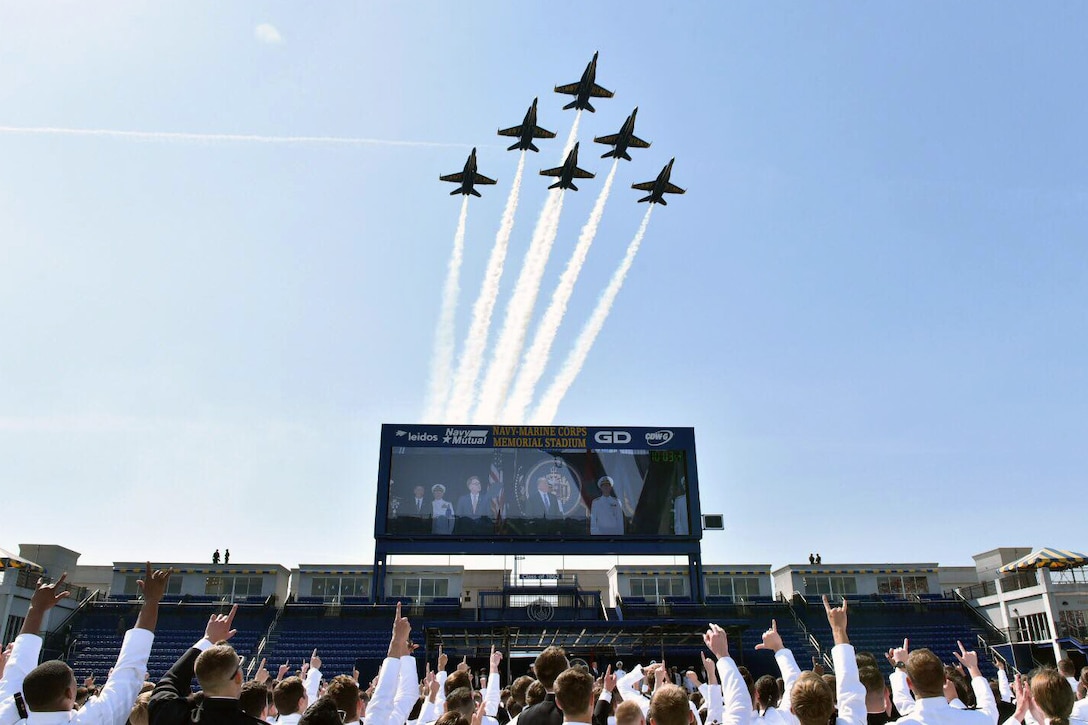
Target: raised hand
x=949, y=689
x=478, y=715
x=899, y=654
x=355, y=675
x=463, y=666
x=660, y=674
x=219, y=626
x=443, y=658
x=716, y=641
x=496, y=658
x=153, y=585
x=315, y=661
x=836, y=617
x=1022, y=689
x=88, y=681
x=47, y=596
x=771, y=639
x=282, y=672
x=711, y=670
x=968, y=659
x=399, y=644
x=262, y=674
x=609, y=682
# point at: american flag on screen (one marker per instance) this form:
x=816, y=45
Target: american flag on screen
x=494, y=481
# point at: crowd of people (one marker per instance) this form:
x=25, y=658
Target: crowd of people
x=921, y=689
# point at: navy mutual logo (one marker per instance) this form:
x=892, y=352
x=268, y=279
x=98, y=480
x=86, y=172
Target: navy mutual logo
x=658, y=438
x=465, y=437
x=612, y=436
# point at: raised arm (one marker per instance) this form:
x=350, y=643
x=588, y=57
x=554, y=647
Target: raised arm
x=1003, y=681
x=984, y=696
x=901, y=695
x=736, y=703
x=168, y=704
x=849, y=691
x=312, y=683
x=715, y=709
x=380, y=710
x=492, y=694
x=787, y=664
x=626, y=686
x=27, y=646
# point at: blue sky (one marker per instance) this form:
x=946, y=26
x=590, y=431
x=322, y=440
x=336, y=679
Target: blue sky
x=871, y=303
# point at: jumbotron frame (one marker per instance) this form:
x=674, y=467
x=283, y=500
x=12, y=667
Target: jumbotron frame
x=660, y=442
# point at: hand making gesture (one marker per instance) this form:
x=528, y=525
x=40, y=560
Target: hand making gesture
x=836, y=617
x=716, y=641
x=219, y=626
x=771, y=639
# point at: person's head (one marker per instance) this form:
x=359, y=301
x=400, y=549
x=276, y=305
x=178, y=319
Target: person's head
x=1066, y=667
x=219, y=671
x=1053, y=695
x=290, y=696
x=518, y=688
x=574, y=694
x=669, y=706
x=452, y=718
x=925, y=673
x=605, y=484
x=344, y=691
x=748, y=682
x=766, y=692
x=872, y=680
x=866, y=658
x=255, y=699
x=549, y=664
x=474, y=484
x=619, y=664
x=535, y=693
x=629, y=713
x=456, y=681
x=542, y=485
x=139, y=714
x=964, y=693
x=322, y=712
x=50, y=687
x=811, y=700
x=438, y=491
x=460, y=700
x=418, y=491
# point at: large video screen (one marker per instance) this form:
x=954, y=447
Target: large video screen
x=552, y=483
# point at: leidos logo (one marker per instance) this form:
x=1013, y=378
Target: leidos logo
x=418, y=437
x=659, y=438
x=461, y=437
x=612, y=436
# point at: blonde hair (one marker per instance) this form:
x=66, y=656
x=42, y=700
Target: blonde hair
x=812, y=699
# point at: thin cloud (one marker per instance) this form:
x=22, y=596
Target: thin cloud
x=267, y=34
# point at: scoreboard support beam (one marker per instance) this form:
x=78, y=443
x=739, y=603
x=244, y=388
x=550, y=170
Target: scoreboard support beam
x=695, y=578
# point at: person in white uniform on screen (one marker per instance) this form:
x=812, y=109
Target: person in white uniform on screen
x=606, y=513
x=442, y=517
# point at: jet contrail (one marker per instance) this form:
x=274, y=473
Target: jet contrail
x=553, y=396
x=519, y=311
x=219, y=137
x=536, y=359
x=442, y=362
x=472, y=356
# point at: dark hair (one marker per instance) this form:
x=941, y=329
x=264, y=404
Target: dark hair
x=452, y=718
x=460, y=700
x=287, y=694
x=323, y=712
x=44, y=686
x=344, y=691
x=254, y=698
x=574, y=690
x=549, y=664
x=767, y=692
x=457, y=680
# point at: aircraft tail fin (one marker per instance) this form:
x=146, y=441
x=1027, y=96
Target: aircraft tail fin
x=455, y=192
x=555, y=185
x=474, y=192
x=514, y=146
x=532, y=147
x=649, y=198
x=626, y=155
x=590, y=108
x=572, y=104
x=606, y=154
x=572, y=187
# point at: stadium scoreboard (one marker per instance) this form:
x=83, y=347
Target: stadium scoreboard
x=565, y=489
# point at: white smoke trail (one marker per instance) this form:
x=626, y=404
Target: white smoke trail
x=442, y=362
x=553, y=396
x=219, y=137
x=536, y=359
x=519, y=311
x=472, y=356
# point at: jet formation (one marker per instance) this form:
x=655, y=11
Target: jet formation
x=528, y=131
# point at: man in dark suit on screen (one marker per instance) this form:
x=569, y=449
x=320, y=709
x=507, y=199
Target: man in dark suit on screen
x=542, y=508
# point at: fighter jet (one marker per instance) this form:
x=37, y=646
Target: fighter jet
x=659, y=186
x=568, y=172
x=623, y=140
x=467, y=178
x=584, y=89
x=527, y=131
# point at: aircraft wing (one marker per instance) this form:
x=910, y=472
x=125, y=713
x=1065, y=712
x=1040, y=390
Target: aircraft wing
x=636, y=143
x=539, y=132
x=512, y=131
x=671, y=188
x=570, y=89
x=582, y=174
x=598, y=92
x=557, y=171
x=480, y=179
x=607, y=140
x=458, y=177
x=644, y=186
